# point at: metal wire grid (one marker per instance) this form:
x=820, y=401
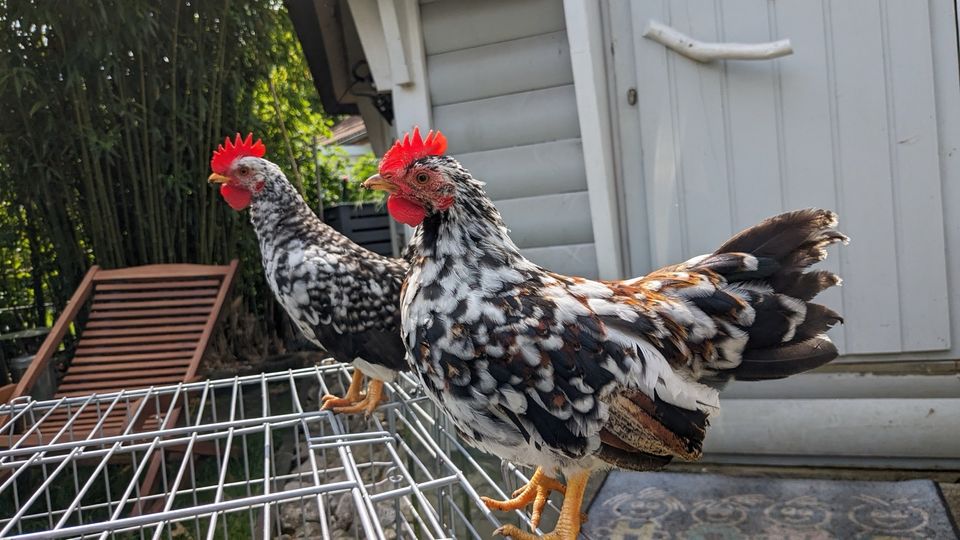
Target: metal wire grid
x=252, y=457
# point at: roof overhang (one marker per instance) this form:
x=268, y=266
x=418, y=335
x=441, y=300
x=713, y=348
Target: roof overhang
x=332, y=48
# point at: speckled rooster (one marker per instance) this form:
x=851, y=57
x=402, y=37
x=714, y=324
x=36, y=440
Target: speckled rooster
x=572, y=375
x=341, y=296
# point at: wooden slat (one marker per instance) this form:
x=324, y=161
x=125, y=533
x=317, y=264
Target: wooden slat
x=90, y=359
x=145, y=322
x=90, y=412
x=84, y=424
x=137, y=348
x=121, y=372
x=148, y=312
x=55, y=337
x=177, y=293
x=212, y=321
x=164, y=338
x=156, y=364
x=105, y=386
x=142, y=331
x=162, y=271
x=99, y=305
x=155, y=285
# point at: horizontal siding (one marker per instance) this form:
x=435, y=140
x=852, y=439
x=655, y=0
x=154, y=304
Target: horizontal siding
x=512, y=120
x=573, y=260
x=448, y=26
x=527, y=171
x=501, y=90
x=548, y=220
x=501, y=68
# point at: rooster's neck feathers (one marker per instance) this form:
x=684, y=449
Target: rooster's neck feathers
x=280, y=203
x=470, y=230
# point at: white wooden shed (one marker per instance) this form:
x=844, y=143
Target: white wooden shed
x=610, y=154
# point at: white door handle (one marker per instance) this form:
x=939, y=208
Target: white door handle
x=708, y=52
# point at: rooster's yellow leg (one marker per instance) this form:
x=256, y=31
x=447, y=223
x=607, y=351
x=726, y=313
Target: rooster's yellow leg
x=352, y=396
x=369, y=403
x=568, y=526
x=536, y=491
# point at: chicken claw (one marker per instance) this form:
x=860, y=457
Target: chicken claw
x=537, y=491
x=351, y=403
x=568, y=525
x=352, y=396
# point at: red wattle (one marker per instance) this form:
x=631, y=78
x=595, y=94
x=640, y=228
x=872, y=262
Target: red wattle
x=237, y=197
x=405, y=211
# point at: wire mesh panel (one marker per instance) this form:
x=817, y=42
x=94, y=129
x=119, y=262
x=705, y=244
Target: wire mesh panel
x=250, y=457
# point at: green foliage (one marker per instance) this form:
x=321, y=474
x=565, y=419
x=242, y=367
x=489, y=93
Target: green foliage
x=110, y=111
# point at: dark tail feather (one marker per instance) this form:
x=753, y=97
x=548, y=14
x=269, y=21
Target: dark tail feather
x=787, y=334
x=819, y=319
x=780, y=236
x=803, y=285
x=785, y=360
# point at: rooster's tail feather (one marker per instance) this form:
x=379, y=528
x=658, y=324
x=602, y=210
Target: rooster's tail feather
x=766, y=264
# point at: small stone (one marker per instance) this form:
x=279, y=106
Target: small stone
x=340, y=534
x=310, y=530
x=294, y=514
x=343, y=514
x=297, y=484
x=387, y=512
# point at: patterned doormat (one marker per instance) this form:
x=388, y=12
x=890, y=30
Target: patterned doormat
x=680, y=506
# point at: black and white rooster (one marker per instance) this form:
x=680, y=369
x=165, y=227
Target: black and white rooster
x=341, y=296
x=572, y=375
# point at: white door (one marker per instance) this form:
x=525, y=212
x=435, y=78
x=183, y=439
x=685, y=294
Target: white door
x=847, y=122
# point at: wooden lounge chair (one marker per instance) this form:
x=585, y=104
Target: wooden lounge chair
x=147, y=326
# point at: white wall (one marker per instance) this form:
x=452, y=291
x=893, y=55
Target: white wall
x=501, y=89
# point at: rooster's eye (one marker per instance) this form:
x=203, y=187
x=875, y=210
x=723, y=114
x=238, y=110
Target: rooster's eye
x=243, y=170
x=422, y=178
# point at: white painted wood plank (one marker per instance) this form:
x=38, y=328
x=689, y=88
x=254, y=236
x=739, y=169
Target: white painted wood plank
x=411, y=102
x=456, y=25
x=703, y=175
x=548, y=220
x=916, y=428
x=660, y=139
x=808, y=152
x=572, y=260
x=846, y=385
x=366, y=17
x=513, y=120
x=944, y=30
x=870, y=292
x=921, y=257
x=628, y=146
x=506, y=67
x=754, y=138
x=585, y=30
x=527, y=171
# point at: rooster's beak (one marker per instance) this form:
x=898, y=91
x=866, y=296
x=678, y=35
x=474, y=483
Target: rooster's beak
x=377, y=182
x=217, y=179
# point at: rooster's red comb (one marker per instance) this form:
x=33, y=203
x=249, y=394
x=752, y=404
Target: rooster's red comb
x=224, y=155
x=412, y=148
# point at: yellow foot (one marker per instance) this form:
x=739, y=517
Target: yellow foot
x=352, y=396
x=568, y=526
x=537, y=491
x=366, y=405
